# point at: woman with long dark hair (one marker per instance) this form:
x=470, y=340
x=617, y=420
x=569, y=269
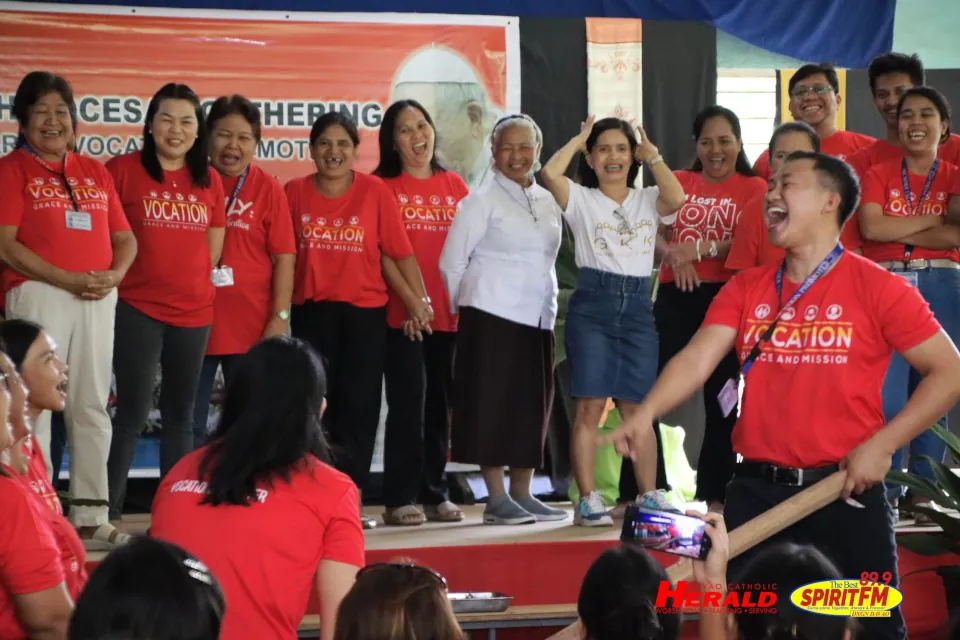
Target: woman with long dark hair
x=345, y=222
x=174, y=202
x=902, y=218
x=718, y=186
x=66, y=245
x=418, y=370
x=610, y=332
x=260, y=506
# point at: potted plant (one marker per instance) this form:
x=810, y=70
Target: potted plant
x=945, y=493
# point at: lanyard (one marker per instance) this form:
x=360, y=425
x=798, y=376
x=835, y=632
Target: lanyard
x=233, y=199
x=818, y=273
x=905, y=177
x=60, y=174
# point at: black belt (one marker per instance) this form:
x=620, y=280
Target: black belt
x=788, y=476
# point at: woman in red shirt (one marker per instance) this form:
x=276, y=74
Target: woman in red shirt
x=418, y=372
x=37, y=582
x=66, y=245
x=258, y=246
x=345, y=222
x=260, y=506
x=174, y=203
x=903, y=222
x=718, y=186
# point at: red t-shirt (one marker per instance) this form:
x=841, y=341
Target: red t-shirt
x=265, y=555
x=340, y=240
x=37, y=476
x=170, y=278
x=814, y=392
x=711, y=212
x=751, y=245
x=29, y=556
x=36, y=202
x=881, y=152
x=842, y=144
x=258, y=227
x=427, y=208
x=883, y=185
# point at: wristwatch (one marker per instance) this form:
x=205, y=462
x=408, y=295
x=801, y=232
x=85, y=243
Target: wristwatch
x=283, y=315
x=713, y=249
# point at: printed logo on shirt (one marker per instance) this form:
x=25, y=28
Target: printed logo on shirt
x=49, y=193
x=706, y=219
x=172, y=211
x=239, y=212
x=331, y=235
x=611, y=239
x=198, y=487
x=821, y=337
x=421, y=216
x=933, y=205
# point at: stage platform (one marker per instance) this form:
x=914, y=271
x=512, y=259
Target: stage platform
x=541, y=565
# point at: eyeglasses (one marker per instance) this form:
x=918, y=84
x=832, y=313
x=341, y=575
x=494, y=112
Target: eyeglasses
x=803, y=92
x=408, y=567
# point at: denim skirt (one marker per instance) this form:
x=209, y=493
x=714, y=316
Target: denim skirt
x=610, y=337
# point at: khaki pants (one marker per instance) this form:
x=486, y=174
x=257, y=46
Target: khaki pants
x=83, y=331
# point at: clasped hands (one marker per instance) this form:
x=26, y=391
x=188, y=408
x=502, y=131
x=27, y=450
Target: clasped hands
x=419, y=317
x=91, y=285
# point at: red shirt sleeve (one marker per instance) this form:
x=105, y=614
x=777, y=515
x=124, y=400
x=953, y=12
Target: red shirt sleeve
x=954, y=187
x=762, y=165
x=727, y=307
x=12, y=183
x=343, y=538
x=280, y=235
x=218, y=213
x=458, y=186
x=393, y=235
x=116, y=217
x=873, y=188
x=30, y=557
x=905, y=317
x=850, y=236
x=745, y=248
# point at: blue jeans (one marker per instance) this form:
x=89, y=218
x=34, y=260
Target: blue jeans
x=201, y=406
x=941, y=289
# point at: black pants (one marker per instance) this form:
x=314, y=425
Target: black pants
x=140, y=344
x=419, y=383
x=351, y=341
x=679, y=315
x=856, y=540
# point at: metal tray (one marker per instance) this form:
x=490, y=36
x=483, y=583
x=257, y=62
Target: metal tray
x=481, y=602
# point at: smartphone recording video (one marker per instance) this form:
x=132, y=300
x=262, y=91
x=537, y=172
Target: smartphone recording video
x=662, y=531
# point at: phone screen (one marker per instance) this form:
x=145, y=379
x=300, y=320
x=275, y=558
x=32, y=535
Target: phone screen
x=663, y=531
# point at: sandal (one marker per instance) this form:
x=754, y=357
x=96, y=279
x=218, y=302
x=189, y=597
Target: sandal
x=105, y=538
x=446, y=511
x=405, y=516
x=367, y=522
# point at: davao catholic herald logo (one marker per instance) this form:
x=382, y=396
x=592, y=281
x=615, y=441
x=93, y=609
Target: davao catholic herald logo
x=686, y=597
x=337, y=234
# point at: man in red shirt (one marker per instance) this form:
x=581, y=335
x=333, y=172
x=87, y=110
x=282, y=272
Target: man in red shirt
x=815, y=335
x=890, y=75
x=814, y=98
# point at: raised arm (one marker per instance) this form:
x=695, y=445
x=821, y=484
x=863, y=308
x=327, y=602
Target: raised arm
x=671, y=196
x=467, y=229
x=553, y=173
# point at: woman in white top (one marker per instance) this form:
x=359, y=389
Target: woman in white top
x=498, y=264
x=611, y=337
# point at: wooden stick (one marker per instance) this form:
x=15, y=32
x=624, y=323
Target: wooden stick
x=752, y=533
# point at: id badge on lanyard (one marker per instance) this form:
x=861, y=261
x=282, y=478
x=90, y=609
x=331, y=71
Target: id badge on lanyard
x=76, y=218
x=730, y=394
x=222, y=275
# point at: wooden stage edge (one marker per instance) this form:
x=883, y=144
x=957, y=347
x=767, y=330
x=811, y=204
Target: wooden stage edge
x=470, y=532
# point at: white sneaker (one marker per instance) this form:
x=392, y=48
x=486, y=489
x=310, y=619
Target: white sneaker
x=591, y=512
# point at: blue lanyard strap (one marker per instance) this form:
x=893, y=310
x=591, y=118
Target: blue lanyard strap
x=233, y=199
x=818, y=273
x=905, y=177
x=60, y=174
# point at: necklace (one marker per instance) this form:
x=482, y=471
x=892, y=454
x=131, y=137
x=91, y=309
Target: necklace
x=527, y=205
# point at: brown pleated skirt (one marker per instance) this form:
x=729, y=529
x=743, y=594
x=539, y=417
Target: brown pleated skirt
x=502, y=391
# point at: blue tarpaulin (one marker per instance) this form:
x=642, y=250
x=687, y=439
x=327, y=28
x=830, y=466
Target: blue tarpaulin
x=848, y=33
